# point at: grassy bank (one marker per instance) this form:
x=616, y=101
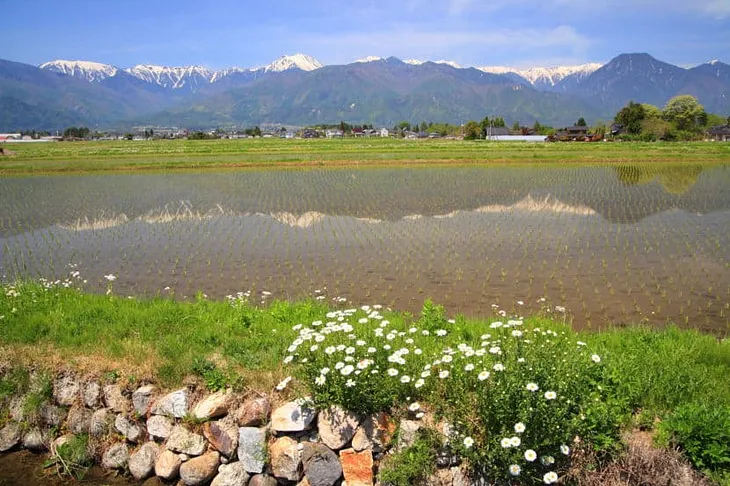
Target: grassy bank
x=197, y=154
x=594, y=384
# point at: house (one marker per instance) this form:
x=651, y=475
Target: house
x=334, y=134
x=309, y=133
x=572, y=134
x=720, y=133
x=384, y=132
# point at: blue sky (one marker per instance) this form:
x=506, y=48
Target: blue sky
x=218, y=34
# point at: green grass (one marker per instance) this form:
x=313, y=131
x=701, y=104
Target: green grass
x=196, y=154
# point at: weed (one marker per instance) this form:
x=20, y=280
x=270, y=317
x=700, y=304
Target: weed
x=413, y=464
x=72, y=458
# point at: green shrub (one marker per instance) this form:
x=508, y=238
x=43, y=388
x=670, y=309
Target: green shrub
x=702, y=432
x=214, y=379
x=413, y=464
x=72, y=458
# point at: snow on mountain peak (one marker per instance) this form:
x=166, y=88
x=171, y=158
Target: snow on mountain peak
x=369, y=59
x=297, y=61
x=713, y=62
x=413, y=62
x=170, y=77
x=544, y=75
x=448, y=63
x=88, y=70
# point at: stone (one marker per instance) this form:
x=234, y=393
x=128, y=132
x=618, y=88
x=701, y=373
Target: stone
x=292, y=417
x=115, y=399
x=16, y=409
x=173, y=404
x=35, y=439
x=262, y=480
x=91, y=395
x=321, y=465
x=407, y=433
x=233, y=474
x=100, y=423
x=305, y=482
x=213, y=406
x=116, y=456
x=461, y=478
x=79, y=420
x=375, y=432
x=336, y=427
x=9, y=436
x=184, y=457
x=442, y=477
x=223, y=436
x=357, y=467
x=159, y=426
x=66, y=390
x=142, y=398
x=200, y=470
x=167, y=465
x=52, y=415
x=132, y=431
x=186, y=442
x=285, y=459
x=254, y=412
x=252, y=448
x=142, y=462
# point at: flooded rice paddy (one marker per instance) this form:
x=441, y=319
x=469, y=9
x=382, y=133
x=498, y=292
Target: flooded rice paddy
x=624, y=244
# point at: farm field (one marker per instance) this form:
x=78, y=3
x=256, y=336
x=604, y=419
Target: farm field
x=595, y=244
x=197, y=154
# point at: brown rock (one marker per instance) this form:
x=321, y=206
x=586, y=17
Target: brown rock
x=167, y=465
x=375, y=432
x=292, y=417
x=79, y=419
x=213, y=406
x=285, y=459
x=143, y=397
x=253, y=412
x=357, y=467
x=66, y=390
x=337, y=427
x=200, y=470
x=222, y=436
x=262, y=480
x=115, y=399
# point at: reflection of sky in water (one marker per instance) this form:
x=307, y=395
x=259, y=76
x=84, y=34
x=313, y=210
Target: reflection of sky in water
x=607, y=248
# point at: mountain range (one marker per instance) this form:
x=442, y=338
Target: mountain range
x=298, y=90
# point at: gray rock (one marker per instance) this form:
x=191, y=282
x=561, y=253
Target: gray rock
x=223, y=436
x=143, y=397
x=174, y=404
x=167, y=465
x=321, y=466
x=66, y=390
x=115, y=399
x=213, y=406
x=253, y=412
x=100, y=423
x=79, y=420
x=233, y=474
x=142, y=462
x=159, y=426
x=132, y=431
x=16, y=409
x=52, y=415
x=183, y=441
x=92, y=395
x=336, y=427
x=9, y=436
x=116, y=456
x=285, y=459
x=407, y=433
x=200, y=470
x=252, y=448
x=184, y=457
x=262, y=480
x=292, y=417
x=35, y=440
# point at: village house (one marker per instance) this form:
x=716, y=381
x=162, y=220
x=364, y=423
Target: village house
x=720, y=133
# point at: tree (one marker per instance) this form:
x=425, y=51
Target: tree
x=472, y=130
x=581, y=122
x=631, y=116
x=516, y=126
x=651, y=111
x=685, y=112
x=499, y=122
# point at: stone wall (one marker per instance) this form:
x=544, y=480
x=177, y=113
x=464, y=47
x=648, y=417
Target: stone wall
x=219, y=438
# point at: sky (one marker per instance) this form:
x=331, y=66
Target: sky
x=220, y=34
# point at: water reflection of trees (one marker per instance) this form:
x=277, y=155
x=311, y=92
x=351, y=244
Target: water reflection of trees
x=675, y=179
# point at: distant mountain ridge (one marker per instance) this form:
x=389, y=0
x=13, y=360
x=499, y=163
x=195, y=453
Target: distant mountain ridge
x=298, y=89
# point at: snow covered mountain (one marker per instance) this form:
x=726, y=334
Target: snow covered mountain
x=546, y=78
x=88, y=70
x=190, y=77
x=297, y=61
